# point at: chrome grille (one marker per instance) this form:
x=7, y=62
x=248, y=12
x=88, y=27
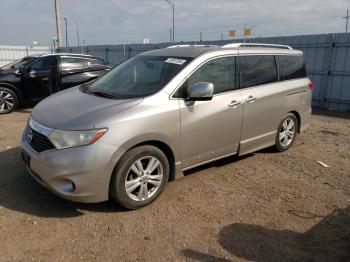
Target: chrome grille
x=38, y=142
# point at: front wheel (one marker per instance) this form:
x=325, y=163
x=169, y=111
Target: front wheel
x=8, y=100
x=286, y=133
x=139, y=177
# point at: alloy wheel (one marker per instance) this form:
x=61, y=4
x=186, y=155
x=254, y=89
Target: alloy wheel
x=144, y=178
x=6, y=101
x=287, y=132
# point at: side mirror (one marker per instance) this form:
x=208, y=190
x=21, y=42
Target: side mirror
x=201, y=91
x=32, y=73
x=20, y=71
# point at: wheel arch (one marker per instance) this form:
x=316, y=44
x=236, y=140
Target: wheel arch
x=156, y=140
x=12, y=88
x=166, y=149
x=298, y=117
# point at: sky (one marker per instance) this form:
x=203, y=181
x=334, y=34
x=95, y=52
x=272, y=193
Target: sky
x=116, y=21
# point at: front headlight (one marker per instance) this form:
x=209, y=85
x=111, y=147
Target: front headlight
x=65, y=139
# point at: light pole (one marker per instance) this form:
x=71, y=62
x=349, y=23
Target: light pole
x=66, y=23
x=58, y=25
x=172, y=5
x=347, y=20
x=77, y=24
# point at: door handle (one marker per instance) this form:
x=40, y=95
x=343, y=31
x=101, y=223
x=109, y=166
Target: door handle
x=234, y=103
x=250, y=99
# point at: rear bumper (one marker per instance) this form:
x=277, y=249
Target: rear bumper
x=305, y=119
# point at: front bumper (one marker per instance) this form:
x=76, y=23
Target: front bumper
x=79, y=174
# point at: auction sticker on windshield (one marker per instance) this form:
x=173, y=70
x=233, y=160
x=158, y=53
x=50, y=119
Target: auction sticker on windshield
x=175, y=61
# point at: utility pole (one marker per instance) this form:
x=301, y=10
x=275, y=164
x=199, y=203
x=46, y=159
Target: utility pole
x=200, y=37
x=58, y=25
x=347, y=20
x=66, y=23
x=171, y=35
x=172, y=5
x=244, y=32
x=82, y=47
x=174, y=23
x=124, y=44
x=77, y=24
x=142, y=34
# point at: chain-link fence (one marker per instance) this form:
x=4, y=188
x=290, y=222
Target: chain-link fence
x=10, y=53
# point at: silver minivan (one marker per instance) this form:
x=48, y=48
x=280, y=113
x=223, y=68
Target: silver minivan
x=142, y=124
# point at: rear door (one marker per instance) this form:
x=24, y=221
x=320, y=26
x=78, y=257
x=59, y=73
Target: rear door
x=76, y=70
x=296, y=84
x=211, y=129
x=264, y=101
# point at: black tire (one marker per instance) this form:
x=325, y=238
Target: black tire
x=279, y=146
x=5, y=107
x=120, y=174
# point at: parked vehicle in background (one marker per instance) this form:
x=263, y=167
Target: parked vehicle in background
x=162, y=112
x=34, y=78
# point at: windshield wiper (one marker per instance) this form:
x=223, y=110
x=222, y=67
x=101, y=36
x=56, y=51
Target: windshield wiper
x=102, y=94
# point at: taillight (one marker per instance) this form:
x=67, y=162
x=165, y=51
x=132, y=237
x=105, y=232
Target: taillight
x=311, y=85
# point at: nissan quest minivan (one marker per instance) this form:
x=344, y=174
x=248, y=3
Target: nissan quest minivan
x=126, y=134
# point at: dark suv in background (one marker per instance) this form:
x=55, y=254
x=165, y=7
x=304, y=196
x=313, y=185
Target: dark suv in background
x=34, y=78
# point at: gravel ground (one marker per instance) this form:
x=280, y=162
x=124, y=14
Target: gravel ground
x=261, y=207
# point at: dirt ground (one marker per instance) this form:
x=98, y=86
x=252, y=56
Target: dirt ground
x=261, y=207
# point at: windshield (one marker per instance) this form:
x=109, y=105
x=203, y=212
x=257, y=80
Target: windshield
x=138, y=77
x=18, y=63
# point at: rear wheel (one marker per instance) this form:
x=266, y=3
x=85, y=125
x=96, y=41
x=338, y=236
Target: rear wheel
x=286, y=133
x=140, y=177
x=8, y=100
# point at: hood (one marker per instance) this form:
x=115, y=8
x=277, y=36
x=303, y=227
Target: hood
x=74, y=110
x=6, y=72
x=8, y=75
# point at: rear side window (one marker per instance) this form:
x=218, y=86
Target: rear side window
x=221, y=72
x=257, y=70
x=72, y=63
x=291, y=67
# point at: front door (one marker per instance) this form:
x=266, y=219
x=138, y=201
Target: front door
x=211, y=129
x=37, y=80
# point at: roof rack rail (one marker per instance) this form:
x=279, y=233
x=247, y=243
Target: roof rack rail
x=237, y=45
x=173, y=46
